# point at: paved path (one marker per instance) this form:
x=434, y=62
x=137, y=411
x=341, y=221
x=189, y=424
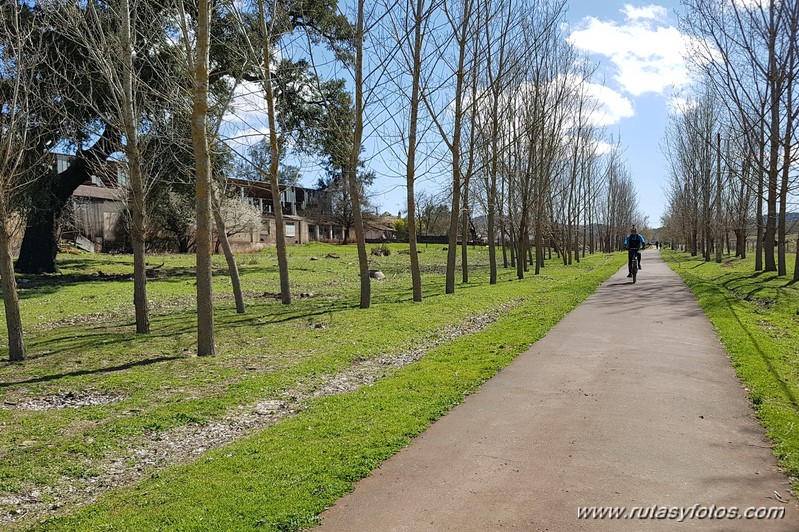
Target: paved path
x=588, y=416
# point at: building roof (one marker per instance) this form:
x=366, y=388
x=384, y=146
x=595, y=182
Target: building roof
x=95, y=192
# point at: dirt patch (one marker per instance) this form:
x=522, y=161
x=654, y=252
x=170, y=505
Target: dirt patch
x=185, y=444
x=70, y=399
x=774, y=331
x=278, y=296
x=97, y=318
x=764, y=303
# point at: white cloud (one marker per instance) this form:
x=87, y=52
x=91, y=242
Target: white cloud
x=604, y=148
x=612, y=106
x=648, y=54
x=650, y=12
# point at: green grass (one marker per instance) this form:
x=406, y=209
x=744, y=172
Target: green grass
x=79, y=337
x=756, y=315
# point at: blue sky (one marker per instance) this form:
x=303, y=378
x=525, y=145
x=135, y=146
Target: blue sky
x=641, y=75
x=640, y=53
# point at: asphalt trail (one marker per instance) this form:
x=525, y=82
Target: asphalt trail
x=629, y=401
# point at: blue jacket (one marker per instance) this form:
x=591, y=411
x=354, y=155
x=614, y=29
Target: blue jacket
x=643, y=241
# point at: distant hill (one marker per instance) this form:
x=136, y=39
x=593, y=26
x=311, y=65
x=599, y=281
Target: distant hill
x=790, y=217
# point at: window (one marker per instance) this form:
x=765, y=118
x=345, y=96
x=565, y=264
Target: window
x=122, y=176
x=62, y=162
x=290, y=233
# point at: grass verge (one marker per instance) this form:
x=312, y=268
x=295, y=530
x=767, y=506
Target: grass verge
x=756, y=315
x=82, y=346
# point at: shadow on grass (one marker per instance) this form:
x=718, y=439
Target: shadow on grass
x=78, y=373
x=176, y=324
x=756, y=295
x=45, y=284
x=778, y=379
x=286, y=313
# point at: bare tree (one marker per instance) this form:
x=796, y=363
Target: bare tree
x=273, y=35
x=357, y=142
x=407, y=27
x=497, y=21
x=582, y=148
x=197, y=42
x=113, y=38
x=270, y=33
x=232, y=215
x=456, y=38
x=22, y=149
x=748, y=50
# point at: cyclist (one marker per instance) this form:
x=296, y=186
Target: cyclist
x=633, y=243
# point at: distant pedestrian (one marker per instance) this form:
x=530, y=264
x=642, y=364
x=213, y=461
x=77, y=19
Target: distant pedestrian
x=657, y=244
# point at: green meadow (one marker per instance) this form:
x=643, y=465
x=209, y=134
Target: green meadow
x=77, y=416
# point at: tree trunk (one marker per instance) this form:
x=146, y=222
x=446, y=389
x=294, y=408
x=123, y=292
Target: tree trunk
x=796, y=264
x=491, y=192
x=466, y=218
x=759, y=213
x=416, y=275
x=232, y=267
x=280, y=231
x=205, y=306
x=492, y=245
x=769, y=238
x=355, y=193
x=452, y=233
x=137, y=199
x=140, y=275
x=504, y=243
x=503, y=229
x=16, y=344
x=529, y=247
x=465, y=234
x=539, y=247
x=40, y=242
x=410, y=169
x=719, y=224
x=782, y=259
x=274, y=162
x=455, y=148
x=742, y=221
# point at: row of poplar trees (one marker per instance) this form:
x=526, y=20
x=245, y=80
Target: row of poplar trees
x=490, y=89
x=734, y=146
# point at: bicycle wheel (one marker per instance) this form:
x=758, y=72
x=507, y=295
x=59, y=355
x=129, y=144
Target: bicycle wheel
x=635, y=270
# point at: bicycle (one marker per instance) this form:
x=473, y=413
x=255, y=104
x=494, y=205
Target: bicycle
x=634, y=263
